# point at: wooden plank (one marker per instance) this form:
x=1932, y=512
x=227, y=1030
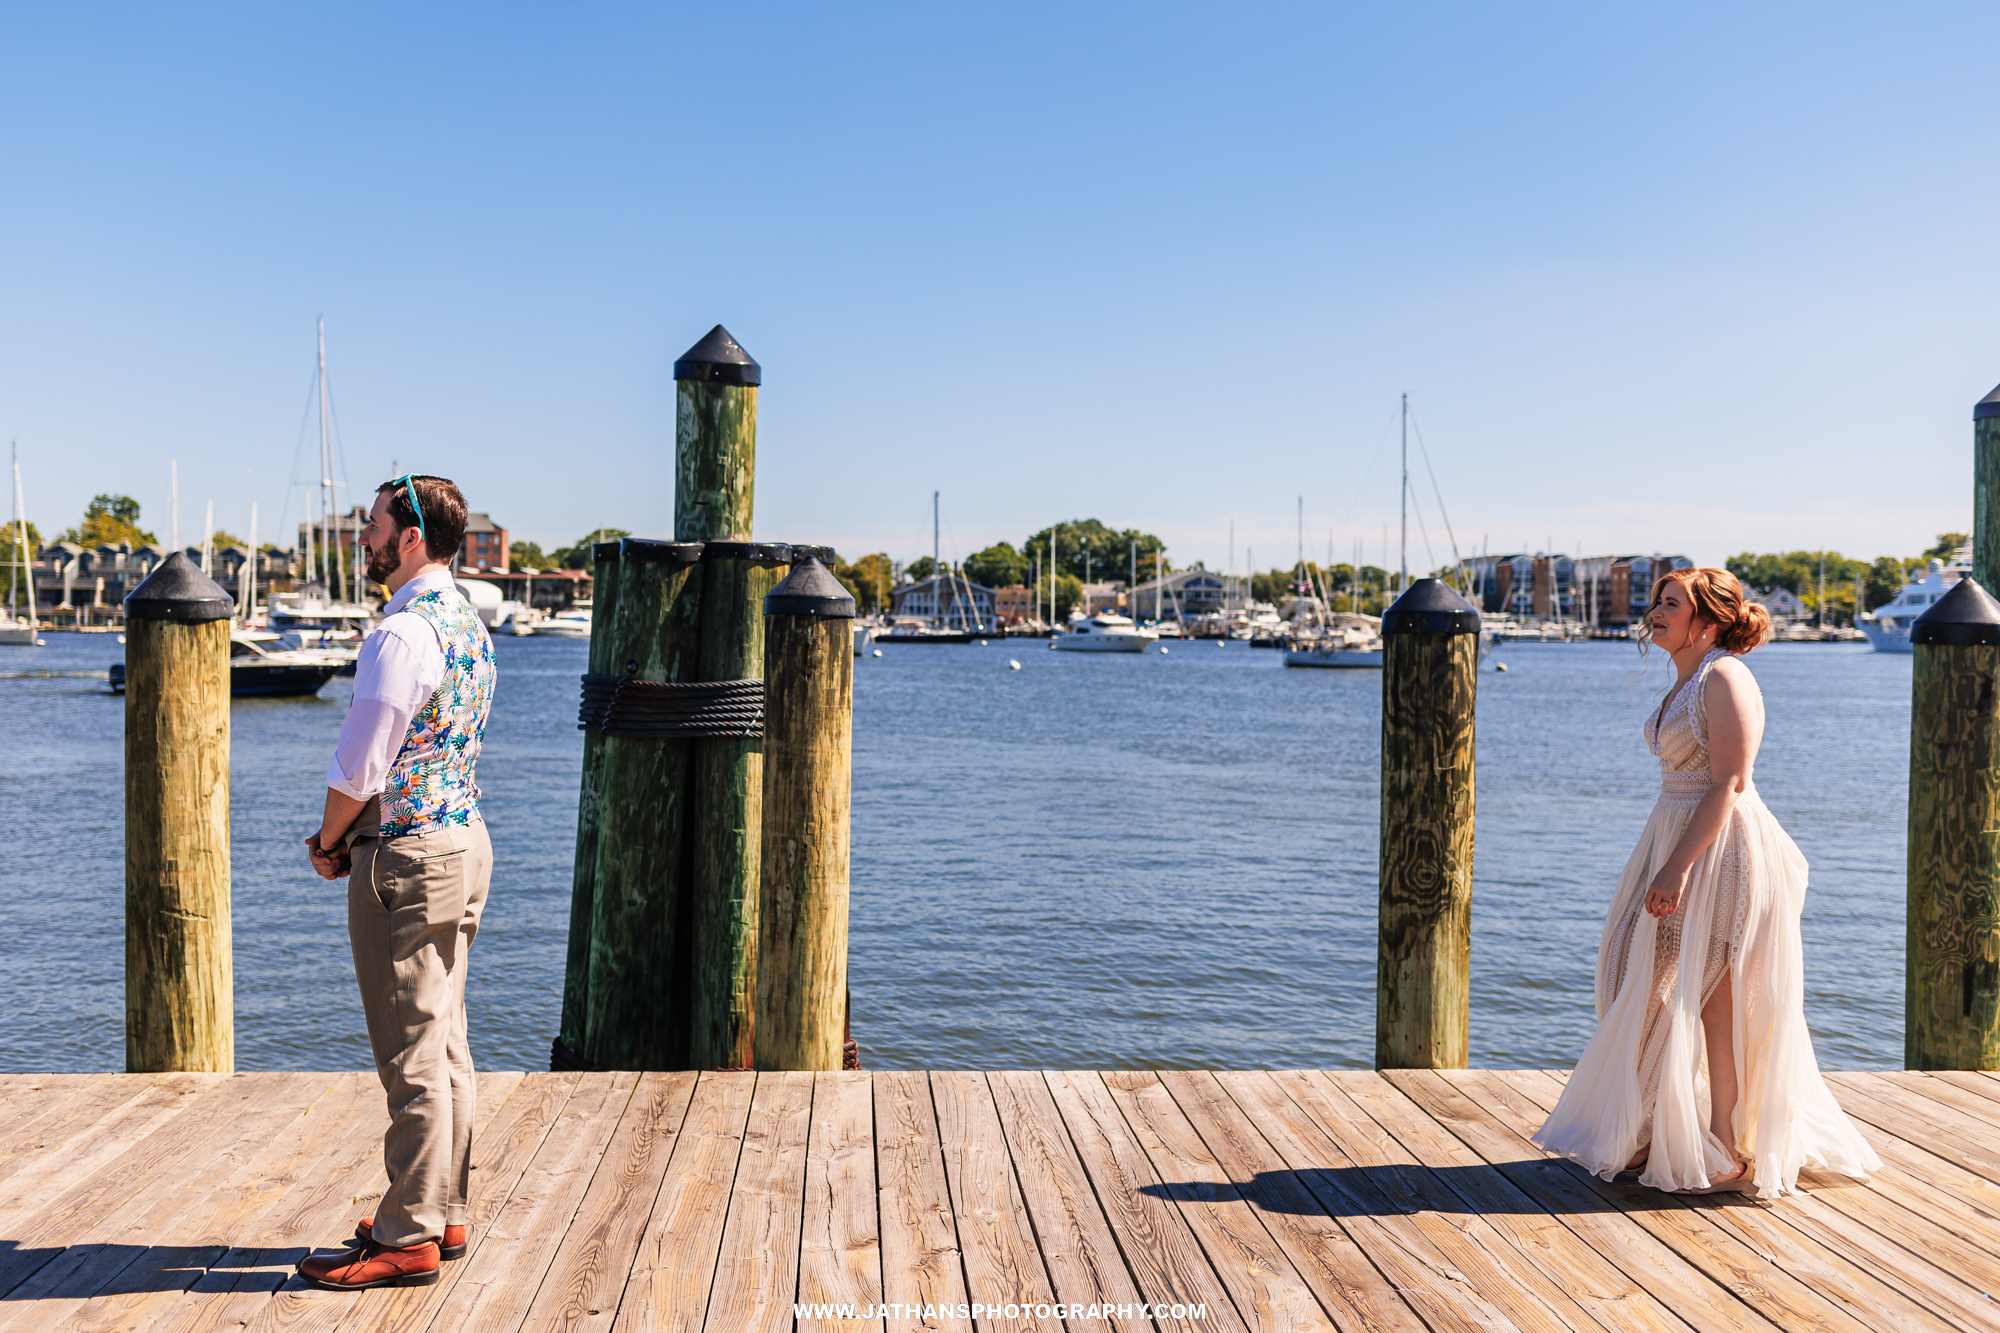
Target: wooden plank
x=96, y=1254
x=580, y=1293
x=1702, y=1301
x=499, y=1160
x=921, y=1269
x=154, y=1278
x=239, y=1288
x=1415, y=1212
x=672, y=1274
x=1614, y=1299
x=1687, y=1228
x=1165, y=1260
x=1084, y=1264
x=88, y=1132
x=30, y=1102
x=498, y=1281
x=1782, y=1237
x=1002, y=1264
x=757, y=1267
x=1268, y=1290
x=499, y=1155
x=840, y=1251
x=102, y=1193
x=1978, y=1082
x=1912, y=1122
x=1341, y=1256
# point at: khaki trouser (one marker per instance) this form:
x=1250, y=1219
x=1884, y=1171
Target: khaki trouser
x=413, y=905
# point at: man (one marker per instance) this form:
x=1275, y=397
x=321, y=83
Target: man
x=402, y=822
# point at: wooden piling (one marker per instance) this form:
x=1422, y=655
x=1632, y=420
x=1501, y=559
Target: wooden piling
x=642, y=846
x=1951, y=977
x=1430, y=665
x=1986, y=490
x=566, y=1052
x=715, y=469
x=808, y=741
x=179, y=984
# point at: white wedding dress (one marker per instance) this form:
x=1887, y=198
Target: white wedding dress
x=1643, y=1079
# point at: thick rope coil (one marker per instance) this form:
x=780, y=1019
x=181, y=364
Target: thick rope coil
x=623, y=706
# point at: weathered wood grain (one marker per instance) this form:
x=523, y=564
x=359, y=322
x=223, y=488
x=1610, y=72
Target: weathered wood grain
x=602, y=661
x=840, y=1247
x=1423, y=966
x=921, y=1266
x=1002, y=1263
x=1951, y=1005
x=674, y=1271
x=757, y=1266
x=802, y=912
x=588, y=1273
x=179, y=977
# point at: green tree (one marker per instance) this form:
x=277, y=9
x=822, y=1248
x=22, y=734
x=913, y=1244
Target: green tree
x=919, y=569
x=526, y=555
x=1946, y=546
x=998, y=566
x=868, y=578
x=1886, y=577
x=9, y=537
x=578, y=556
x=1085, y=547
x=109, y=520
x=1069, y=594
x=224, y=539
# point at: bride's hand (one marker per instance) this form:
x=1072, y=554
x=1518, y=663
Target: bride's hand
x=1665, y=894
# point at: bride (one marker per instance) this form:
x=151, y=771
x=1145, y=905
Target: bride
x=1701, y=1075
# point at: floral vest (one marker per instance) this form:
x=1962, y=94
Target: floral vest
x=430, y=784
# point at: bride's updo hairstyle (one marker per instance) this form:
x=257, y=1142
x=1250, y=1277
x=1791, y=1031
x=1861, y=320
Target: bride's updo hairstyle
x=1740, y=625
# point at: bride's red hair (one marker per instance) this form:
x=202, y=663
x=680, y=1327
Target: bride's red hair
x=1740, y=625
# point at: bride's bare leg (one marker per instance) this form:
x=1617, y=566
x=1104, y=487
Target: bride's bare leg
x=1718, y=1028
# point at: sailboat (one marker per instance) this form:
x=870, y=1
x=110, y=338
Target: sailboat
x=20, y=569
x=330, y=608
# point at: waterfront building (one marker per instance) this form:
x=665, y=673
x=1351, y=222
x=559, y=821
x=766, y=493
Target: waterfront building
x=1014, y=604
x=1617, y=587
x=87, y=585
x=950, y=601
x=1782, y=603
x=1100, y=597
x=548, y=590
x=1185, y=593
x=485, y=545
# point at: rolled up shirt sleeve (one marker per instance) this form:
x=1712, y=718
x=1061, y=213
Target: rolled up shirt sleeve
x=393, y=676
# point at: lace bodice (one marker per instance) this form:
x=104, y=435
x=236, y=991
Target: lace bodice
x=1677, y=734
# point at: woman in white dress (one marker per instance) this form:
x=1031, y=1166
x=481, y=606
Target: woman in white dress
x=1701, y=1075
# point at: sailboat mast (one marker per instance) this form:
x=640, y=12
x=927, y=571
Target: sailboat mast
x=250, y=590
x=329, y=563
x=937, y=584
x=20, y=537
x=1404, y=585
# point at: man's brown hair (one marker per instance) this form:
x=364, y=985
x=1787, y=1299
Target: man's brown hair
x=443, y=512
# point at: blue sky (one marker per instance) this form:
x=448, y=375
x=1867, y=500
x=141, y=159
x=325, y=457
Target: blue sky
x=1697, y=278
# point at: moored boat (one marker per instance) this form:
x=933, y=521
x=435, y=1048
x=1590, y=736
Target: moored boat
x=1888, y=625
x=259, y=664
x=1106, y=632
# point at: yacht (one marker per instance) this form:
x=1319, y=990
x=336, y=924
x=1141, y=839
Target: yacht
x=1346, y=640
x=1105, y=632
x=571, y=624
x=1888, y=625
x=261, y=664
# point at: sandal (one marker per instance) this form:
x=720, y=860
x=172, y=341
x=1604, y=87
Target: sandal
x=1736, y=1181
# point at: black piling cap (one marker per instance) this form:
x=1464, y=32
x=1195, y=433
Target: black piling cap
x=757, y=553
x=718, y=359
x=672, y=553
x=810, y=590
x=1430, y=606
x=178, y=590
x=1989, y=406
x=1963, y=617
x=604, y=551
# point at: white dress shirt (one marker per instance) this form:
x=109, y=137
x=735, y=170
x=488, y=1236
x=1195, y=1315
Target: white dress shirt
x=401, y=666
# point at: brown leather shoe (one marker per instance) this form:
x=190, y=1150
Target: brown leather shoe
x=452, y=1247
x=373, y=1265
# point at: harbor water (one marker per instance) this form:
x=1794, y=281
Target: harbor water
x=1096, y=861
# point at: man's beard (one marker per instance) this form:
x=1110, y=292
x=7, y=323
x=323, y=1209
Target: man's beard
x=381, y=564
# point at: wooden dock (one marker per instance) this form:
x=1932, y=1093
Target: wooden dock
x=1180, y=1200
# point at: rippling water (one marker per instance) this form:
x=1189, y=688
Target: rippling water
x=1090, y=862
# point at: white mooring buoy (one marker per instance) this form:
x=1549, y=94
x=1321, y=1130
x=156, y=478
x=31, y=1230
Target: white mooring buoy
x=1012, y=665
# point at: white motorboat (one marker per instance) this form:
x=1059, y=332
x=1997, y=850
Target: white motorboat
x=1888, y=625
x=1106, y=632
x=1348, y=639
x=571, y=624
